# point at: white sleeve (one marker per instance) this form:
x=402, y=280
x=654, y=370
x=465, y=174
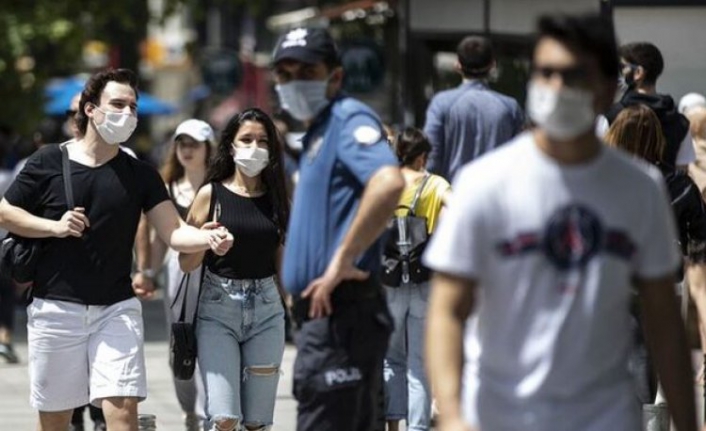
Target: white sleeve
x=657, y=252
x=602, y=127
x=460, y=240
x=686, y=154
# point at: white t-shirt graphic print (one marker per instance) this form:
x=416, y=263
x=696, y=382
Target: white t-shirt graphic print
x=553, y=249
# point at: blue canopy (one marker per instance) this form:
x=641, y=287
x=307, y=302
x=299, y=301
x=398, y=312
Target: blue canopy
x=60, y=92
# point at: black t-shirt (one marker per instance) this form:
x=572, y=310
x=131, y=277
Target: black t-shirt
x=93, y=269
x=255, y=234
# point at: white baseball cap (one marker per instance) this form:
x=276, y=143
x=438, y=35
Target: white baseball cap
x=197, y=129
x=691, y=100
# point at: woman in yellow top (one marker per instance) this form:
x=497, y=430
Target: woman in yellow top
x=407, y=394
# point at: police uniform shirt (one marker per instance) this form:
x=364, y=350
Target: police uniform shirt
x=342, y=149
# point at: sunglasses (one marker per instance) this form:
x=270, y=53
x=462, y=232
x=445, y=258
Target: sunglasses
x=71, y=112
x=570, y=76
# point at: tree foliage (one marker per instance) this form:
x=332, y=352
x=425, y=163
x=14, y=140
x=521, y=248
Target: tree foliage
x=40, y=39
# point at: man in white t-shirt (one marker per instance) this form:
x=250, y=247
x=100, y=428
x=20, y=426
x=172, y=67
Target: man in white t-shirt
x=546, y=237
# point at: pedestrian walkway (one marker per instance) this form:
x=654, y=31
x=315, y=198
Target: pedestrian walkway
x=17, y=415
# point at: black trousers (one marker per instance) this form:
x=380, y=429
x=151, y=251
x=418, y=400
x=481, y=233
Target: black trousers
x=338, y=369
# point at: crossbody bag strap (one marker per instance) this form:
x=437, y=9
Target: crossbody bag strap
x=216, y=211
x=66, y=174
x=418, y=194
x=183, y=287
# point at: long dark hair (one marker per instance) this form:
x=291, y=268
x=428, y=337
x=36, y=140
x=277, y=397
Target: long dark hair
x=223, y=167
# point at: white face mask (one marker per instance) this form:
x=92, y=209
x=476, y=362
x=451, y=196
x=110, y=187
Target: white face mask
x=117, y=127
x=251, y=161
x=563, y=114
x=303, y=99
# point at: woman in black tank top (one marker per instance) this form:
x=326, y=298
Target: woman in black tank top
x=183, y=172
x=240, y=318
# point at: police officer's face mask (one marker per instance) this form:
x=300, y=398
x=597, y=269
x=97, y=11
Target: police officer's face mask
x=303, y=99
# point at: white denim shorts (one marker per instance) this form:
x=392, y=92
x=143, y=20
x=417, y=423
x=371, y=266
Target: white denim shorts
x=84, y=353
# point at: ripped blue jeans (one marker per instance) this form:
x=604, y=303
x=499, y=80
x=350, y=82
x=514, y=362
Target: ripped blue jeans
x=240, y=333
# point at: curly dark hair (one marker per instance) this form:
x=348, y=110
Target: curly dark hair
x=223, y=167
x=94, y=87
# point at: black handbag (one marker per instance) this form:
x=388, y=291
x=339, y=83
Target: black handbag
x=182, y=341
x=406, y=239
x=19, y=256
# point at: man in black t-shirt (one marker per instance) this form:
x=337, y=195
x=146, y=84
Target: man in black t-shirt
x=84, y=325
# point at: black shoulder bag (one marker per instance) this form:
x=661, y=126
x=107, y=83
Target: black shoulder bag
x=182, y=341
x=19, y=256
x=407, y=238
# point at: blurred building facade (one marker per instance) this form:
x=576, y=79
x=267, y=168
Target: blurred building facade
x=215, y=61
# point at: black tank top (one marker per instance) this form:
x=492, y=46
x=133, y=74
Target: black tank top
x=182, y=210
x=255, y=234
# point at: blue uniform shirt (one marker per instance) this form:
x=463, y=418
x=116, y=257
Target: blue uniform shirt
x=466, y=122
x=343, y=148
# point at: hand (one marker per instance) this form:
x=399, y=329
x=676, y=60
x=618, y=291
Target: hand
x=220, y=239
x=143, y=286
x=72, y=223
x=340, y=269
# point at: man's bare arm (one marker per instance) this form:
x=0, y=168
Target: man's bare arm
x=22, y=223
x=183, y=237
x=143, y=249
x=666, y=339
x=450, y=303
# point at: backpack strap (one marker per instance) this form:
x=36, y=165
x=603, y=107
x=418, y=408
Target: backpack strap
x=70, y=204
x=66, y=173
x=418, y=194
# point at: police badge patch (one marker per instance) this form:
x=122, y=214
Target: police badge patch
x=367, y=135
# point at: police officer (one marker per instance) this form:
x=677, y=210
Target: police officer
x=349, y=185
